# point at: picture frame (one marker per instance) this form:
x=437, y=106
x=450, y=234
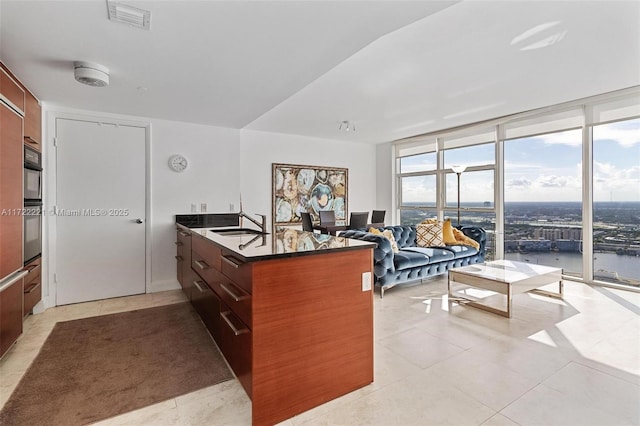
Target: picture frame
x=302, y=188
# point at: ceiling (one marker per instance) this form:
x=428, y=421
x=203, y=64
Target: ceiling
x=394, y=68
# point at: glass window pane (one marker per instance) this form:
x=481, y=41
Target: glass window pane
x=543, y=200
x=477, y=155
x=616, y=202
x=476, y=189
x=419, y=191
x=418, y=163
x=413, y=217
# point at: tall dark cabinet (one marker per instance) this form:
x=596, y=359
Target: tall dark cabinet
x=19, y=110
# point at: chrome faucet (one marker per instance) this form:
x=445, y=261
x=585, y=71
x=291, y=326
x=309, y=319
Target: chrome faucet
x=262, y=226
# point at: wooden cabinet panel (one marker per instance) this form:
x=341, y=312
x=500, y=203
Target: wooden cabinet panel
x=11, y=91
x=238, y=300
x=11, y=176
x=10, y=315
x=183, y=258
x=32, y=122
x=207, y=304
x=235, y=344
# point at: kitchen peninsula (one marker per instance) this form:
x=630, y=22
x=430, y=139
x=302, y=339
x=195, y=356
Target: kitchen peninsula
x=291, y=311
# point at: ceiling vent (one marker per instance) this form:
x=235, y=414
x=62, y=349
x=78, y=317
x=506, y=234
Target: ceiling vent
x=129, y=15
x=91, y=74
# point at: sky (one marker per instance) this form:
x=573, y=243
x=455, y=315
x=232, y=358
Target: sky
x=542, y=168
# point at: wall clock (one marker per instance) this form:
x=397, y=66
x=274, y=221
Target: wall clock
x=178, y=163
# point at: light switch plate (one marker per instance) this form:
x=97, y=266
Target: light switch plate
x=366, y=281
x=194, y=208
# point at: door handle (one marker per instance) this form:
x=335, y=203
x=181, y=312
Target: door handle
x=139, y=221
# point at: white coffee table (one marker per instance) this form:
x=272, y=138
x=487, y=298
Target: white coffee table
x=506, y=277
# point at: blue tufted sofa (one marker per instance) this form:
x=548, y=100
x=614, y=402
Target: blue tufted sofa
x=414, y=263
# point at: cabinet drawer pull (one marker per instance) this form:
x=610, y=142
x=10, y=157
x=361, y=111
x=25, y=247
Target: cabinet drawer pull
x=179, y=258
x=31, y=268
x=179, y=243
x=201, y=265
x=225, y=317
x=234, y=296
x=197, y=284
x=231, y=262
x=184, y=234
x=31, y=289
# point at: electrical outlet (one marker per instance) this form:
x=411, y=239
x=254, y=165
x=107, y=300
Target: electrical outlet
x=203, y=207
x=366, y=281
x=232, y=207
x=194, y=208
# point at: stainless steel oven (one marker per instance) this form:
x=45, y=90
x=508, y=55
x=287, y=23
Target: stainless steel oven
x=32, y=174
x=32, y=230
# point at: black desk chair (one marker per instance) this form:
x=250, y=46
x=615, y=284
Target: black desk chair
x=358, y=220
x=327, y=217
x=307, y=223
x=377, y=216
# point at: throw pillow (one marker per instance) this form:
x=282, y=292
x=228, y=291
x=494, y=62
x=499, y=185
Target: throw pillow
x=464, y=240
x=429, y=221
x=388, y=235
x=447, y=232
x=429, y=235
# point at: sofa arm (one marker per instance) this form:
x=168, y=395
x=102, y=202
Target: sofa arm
x=382, y=254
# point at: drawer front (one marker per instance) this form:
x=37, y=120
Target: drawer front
x=235, y=344
x=236, y=298
x=35, y=270
x=237, y=271
x=203, y=268
x=205, y=251
x=32, y=295
x=207, y=304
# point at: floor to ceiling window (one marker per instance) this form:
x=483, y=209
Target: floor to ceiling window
x=616, y=202
x=543, y=200
x=523, y=179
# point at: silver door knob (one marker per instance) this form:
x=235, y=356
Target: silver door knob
x=139, y=221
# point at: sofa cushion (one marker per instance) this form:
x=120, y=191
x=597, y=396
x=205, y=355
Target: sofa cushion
x=407, y=259
x=461, y=250
x=434, y=254
x=429, y=234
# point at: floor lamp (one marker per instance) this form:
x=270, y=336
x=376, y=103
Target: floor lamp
x=458, y=170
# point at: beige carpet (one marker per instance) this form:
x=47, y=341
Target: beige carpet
x=95, y=368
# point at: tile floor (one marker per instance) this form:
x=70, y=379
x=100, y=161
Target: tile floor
x=570, y=362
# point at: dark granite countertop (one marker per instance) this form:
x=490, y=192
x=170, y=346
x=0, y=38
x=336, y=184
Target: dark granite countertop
x=284, y=242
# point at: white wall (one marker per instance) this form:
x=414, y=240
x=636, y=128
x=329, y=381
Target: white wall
x=385, y=175
x=258, y=150
x=212, y=177
x=222, y=164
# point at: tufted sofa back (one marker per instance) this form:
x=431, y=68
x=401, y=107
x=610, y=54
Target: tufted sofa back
x=405, y=236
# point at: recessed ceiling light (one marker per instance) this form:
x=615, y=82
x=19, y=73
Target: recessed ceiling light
x=129, y=15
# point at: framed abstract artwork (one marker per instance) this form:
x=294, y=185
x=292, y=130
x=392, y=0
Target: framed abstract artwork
x=298, y=189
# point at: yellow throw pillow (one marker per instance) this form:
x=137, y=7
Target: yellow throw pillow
x=447, y=232
x=429, y=235
x=388, y=235
x=464, y=240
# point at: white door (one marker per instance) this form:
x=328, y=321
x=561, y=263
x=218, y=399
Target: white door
x=100, y=217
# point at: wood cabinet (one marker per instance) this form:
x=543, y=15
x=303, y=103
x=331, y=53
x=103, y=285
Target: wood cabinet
x=10, y=315
x=32, y=122
x=183, y=258
x=297, y=331
x=11, y=201
x=32, y=286
x=11, y=92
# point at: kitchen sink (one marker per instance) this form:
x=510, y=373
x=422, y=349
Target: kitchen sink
x=238, y=231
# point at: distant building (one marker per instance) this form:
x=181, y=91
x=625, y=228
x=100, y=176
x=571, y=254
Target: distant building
x=534, y=245
x=568, y=245
x=555, y=234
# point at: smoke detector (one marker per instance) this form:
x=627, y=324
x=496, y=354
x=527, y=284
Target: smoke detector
x=91, y=74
